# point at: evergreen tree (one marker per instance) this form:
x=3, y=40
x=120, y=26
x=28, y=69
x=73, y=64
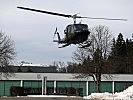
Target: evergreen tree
x=112, y=58
x=120, y=46
x=129, y=47
x=121, y=56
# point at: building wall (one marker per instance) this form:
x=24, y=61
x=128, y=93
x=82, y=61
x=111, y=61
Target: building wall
x=79, y=86
x=59, y=85
x=106, y=86
x=5, y=86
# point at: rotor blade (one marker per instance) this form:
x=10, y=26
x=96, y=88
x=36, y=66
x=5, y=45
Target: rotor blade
x=47, y=12
x=64, y=15
x=75, y=16
x=105, y=18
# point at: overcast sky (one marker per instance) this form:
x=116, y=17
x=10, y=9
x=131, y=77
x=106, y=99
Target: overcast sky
x=33, y=32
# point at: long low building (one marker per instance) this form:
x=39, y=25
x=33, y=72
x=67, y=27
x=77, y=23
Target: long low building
x=62, y=83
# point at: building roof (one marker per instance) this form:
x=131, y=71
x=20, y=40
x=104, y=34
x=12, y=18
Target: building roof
x=34, y=69
x=66, y=77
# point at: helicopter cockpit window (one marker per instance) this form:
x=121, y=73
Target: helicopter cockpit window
x=68, y=29
x=78, y=27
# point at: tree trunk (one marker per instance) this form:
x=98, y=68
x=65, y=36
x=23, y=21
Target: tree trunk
x=97, y=85
x=98, y=81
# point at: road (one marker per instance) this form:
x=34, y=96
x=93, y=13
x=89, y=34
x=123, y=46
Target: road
x=40, y=98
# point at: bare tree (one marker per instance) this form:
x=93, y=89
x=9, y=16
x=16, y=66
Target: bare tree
x=7, y=53
x=93, y=60
x=61, y=66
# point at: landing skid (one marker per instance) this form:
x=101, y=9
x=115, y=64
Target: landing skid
x=85, y=45
x=64, y=45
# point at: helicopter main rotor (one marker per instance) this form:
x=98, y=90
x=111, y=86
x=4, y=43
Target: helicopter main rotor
x=65, y=15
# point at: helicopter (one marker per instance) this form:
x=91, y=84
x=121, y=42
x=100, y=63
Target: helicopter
x=75, y=33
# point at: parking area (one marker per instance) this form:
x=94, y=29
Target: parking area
x=41, y=98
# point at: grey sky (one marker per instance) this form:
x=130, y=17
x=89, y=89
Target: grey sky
x=32, y=32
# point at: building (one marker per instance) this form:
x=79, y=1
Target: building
x=30, y=68
x=61, y=83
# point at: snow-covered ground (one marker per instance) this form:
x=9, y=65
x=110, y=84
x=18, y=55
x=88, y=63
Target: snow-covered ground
x=124, y=95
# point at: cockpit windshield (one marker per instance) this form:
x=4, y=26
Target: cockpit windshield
x=78, y=27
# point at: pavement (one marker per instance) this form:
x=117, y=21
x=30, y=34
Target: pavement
x=43, y=98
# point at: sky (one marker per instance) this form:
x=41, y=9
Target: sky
x=33, y=32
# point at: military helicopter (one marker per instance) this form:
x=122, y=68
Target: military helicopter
x=74, y=33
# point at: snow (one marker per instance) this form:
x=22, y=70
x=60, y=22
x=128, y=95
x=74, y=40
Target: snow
x=54, y=96
x=23, y=63
x=124, y=95
x=32, y=65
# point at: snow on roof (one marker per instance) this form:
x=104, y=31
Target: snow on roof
x=32, y=65
x=24, y=63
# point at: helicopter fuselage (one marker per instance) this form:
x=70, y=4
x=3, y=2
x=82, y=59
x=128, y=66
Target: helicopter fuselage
x=77, y=37
x=74, y=34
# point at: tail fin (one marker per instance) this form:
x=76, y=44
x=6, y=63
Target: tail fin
x=55, y=32
x=58, y=35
